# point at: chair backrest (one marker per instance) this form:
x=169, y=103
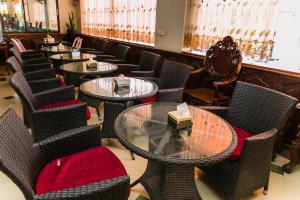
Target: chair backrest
x=121, y=52
x=15, y=65
x=111, y=111
x=101, y=45
x=77, y=43
x=19, y=160
x=223, y=60
x=18, y=44
x=148, y=61
x=17, y=54
x=257, y=109
x=174, y=75
x=21, y=87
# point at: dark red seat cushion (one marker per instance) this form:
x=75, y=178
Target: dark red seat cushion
x=241, y=135
x=62, y=83
x=82, y=168
x=151, y=99
x=65, y=103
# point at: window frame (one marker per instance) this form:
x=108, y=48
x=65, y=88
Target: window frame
x=25, y=20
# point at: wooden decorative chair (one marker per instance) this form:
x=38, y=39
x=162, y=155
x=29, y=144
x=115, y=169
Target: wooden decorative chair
x=221, y=67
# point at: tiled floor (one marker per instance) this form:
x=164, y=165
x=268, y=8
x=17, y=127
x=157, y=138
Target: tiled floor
x=282, y=187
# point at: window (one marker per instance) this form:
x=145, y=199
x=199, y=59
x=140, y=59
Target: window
x=252, y=23
x=126, y=20
x=40, y=15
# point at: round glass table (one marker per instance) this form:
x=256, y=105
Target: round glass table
x=55, y=49
x=172, y=154
x=106, y=89
x=68, y=57
x=75, y=73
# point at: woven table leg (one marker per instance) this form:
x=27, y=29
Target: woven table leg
x=169, y=181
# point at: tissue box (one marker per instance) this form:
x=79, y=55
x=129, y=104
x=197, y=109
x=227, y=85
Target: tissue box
x=75, y=54
x=122, y=82
x=91, y=64
x=178, y=121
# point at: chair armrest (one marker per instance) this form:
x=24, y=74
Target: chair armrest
x=53, y=121
x=102, y=57
x=170, y=95
x=40, y=74
x=95, y=52
x=33, y=67
x=142, y=73
x=226, y=82
x=122, y=68
x=220, y=111
x=155, y=80
x=69, y=142
x=44, y=84
x=55, y=95
x=35, y=60
x=115, y=61
x=26, y=55
x=114, y=189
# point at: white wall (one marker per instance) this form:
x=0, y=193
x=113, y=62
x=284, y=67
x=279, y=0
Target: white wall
x=170, y=17
x=66, y=6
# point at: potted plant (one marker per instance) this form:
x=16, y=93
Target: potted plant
x=71, y=27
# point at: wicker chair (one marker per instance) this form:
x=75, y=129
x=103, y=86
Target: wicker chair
x=99, y=49
x=171, y=83
x=38, y=80
x=22, y=161
x=25, y=53
x=111, y=112
x=44, y=120
x=147, y=64
x=118, y=58
x=38, y=62
x=261, y=112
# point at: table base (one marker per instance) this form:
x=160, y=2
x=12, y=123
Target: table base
x=169, y=181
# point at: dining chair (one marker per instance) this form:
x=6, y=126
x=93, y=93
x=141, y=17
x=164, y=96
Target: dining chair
x=38, y=79
x=100, y=46
x=51, y=111
x=70, y=165
x=222, y=65
x=25, y=53
x=257, y=114
x=77, y=43
x=119, y=57
x=147, y=64
x=171, y=83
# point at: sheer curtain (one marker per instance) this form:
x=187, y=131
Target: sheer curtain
x=129, y=20
x=251, y=23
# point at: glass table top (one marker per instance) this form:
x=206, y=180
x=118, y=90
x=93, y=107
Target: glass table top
x=145, y=129
x=55, y=49
x=82, y=68
x=70, y=57
x=106, y=89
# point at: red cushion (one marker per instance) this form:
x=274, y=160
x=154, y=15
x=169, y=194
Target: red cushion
x=82, y=168
x=148, y=99
x=65, y=103
x=62, y=83
x=241, y=135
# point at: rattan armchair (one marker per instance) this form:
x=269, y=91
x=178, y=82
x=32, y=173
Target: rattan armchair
x=22, y=160
x=171, y=83
x=25, y=53
x=99, y=49
x=119, y=57
x=46, y=122
x=261, y=112
x=33, y=63
x=147, y=64
x=38, y=80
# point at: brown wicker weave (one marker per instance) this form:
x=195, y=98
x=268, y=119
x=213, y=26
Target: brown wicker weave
x=46, y=123
x=259, y=111
x=21, y=160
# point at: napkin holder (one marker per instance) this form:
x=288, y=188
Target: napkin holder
x=60, y=47
x=91, y=64
x=121, y=82
x=178, y=121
